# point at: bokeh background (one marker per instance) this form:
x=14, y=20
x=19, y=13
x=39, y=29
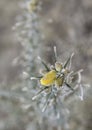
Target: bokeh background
x=66, y=24
x=8, y=47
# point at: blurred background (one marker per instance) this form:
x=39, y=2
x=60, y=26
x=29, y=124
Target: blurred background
x=8, y=47
x=66, y=24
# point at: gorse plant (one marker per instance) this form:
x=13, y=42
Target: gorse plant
x=49, y=96
x=56, y=83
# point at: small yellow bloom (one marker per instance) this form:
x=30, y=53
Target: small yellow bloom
x=59, y=81
x=58, y=66
x=32, y=5
x=49, y=78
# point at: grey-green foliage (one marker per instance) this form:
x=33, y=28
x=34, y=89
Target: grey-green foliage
x=28, y=33
x=16, y=103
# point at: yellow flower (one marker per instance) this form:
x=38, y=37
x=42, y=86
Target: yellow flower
x=59, y=81
x=58, y=66
x=49, y=78
x=32, y=5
